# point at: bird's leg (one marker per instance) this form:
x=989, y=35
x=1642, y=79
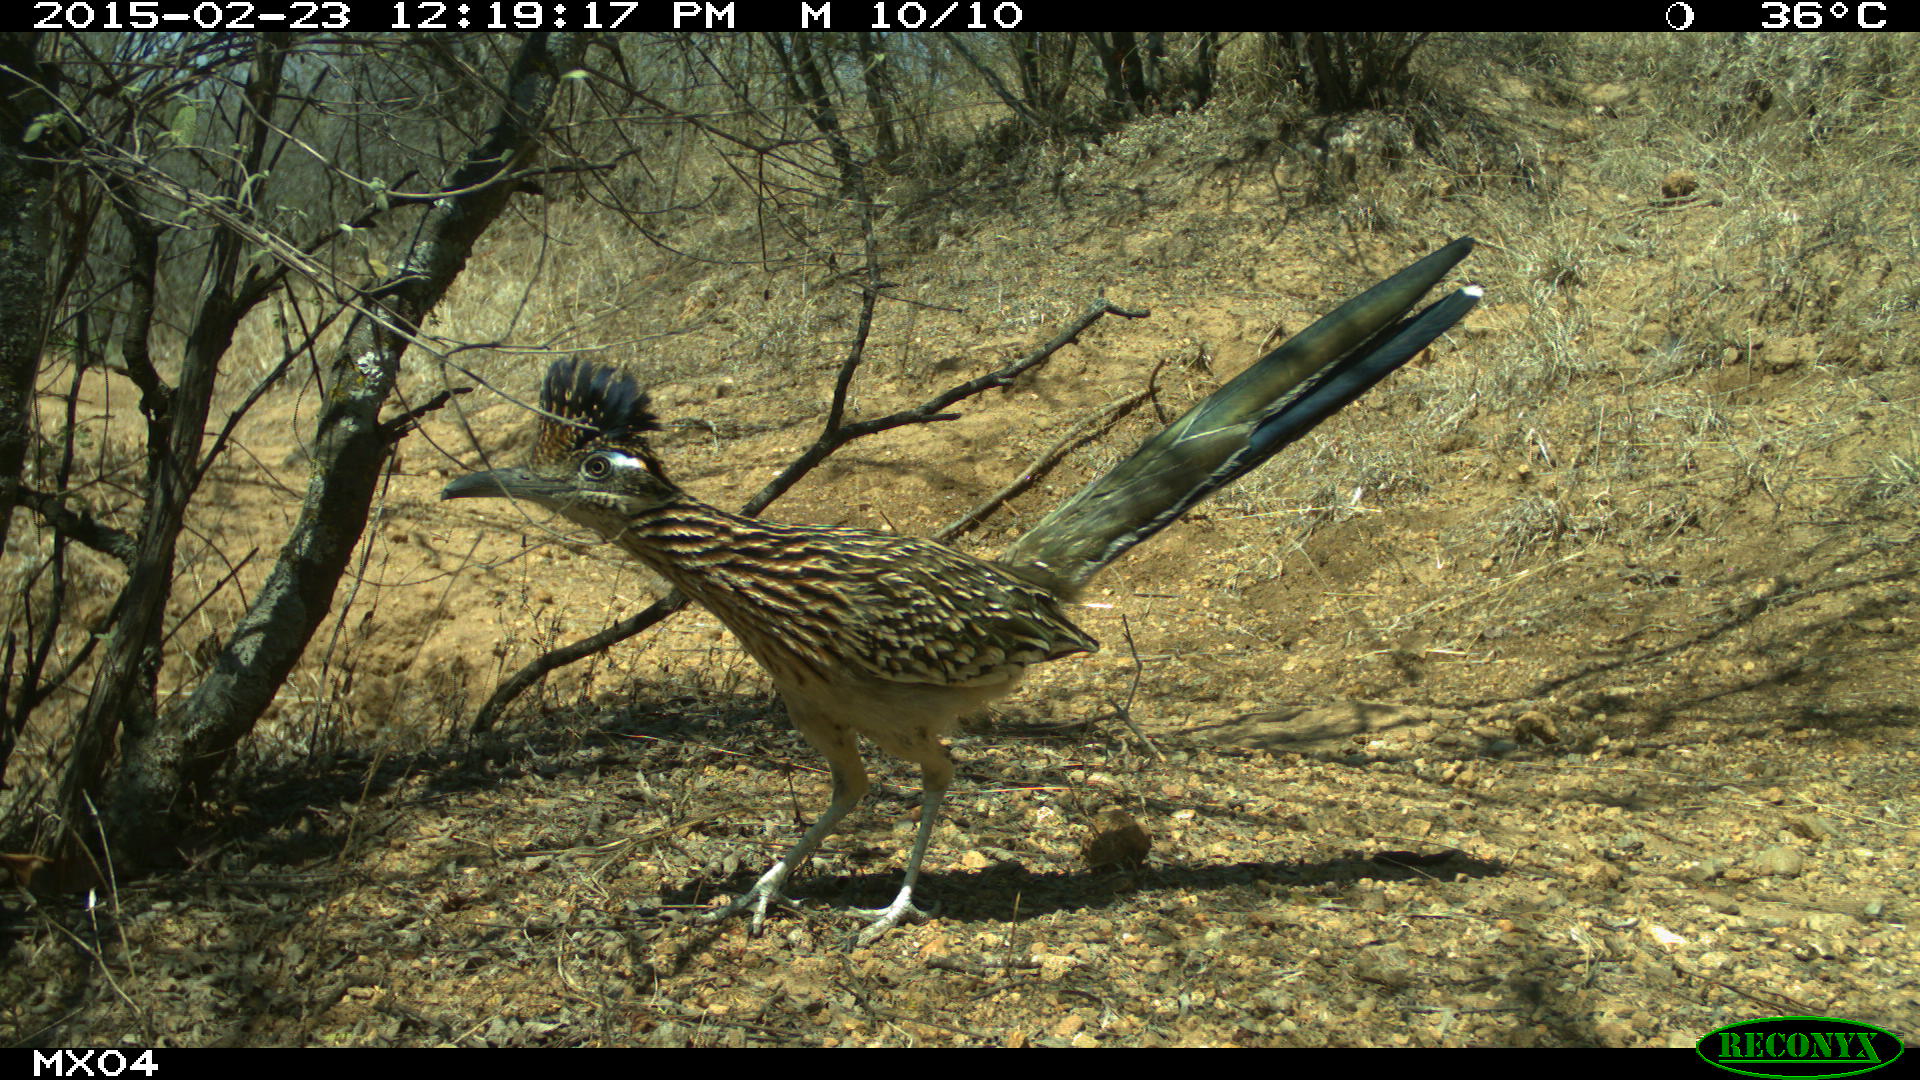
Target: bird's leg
x=849, y=787
x=936, y=775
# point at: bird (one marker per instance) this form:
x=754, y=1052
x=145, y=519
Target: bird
x=894, y=638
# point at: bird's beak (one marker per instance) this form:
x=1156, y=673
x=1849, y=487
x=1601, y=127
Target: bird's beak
x=502, y=484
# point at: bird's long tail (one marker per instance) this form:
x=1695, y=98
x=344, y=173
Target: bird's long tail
x=1269, y=405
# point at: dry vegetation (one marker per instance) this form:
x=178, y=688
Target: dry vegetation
x=1562, y=693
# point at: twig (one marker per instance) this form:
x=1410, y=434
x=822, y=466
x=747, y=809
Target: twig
x=933, y=409
x=232, y=572
x=400, y=425
x=517, y=683
x=1086, y=430
x=1126, y=709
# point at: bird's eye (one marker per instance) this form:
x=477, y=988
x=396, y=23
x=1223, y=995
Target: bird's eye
x=596, y=467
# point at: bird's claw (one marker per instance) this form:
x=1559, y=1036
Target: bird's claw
x=765, y=893
x=886, y=918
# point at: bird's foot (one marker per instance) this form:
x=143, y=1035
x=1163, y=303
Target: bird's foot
x=886, y=918
x=765, y=893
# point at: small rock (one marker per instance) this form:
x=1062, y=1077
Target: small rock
x=1116, y=840
x=1780, y=862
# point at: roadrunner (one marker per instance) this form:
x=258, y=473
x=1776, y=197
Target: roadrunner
x=895, y=638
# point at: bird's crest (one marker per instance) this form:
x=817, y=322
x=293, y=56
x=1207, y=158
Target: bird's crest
x=584, y=403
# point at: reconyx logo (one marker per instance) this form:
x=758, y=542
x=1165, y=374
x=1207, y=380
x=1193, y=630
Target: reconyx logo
x=1799, y=1047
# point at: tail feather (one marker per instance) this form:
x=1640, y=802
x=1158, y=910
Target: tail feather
x=1256, y=415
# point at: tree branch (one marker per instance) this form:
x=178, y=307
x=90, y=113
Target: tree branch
x=78, y=527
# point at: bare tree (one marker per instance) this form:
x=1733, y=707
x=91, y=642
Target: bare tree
x=186, y=141
x=1340, y=72
x=351, y=442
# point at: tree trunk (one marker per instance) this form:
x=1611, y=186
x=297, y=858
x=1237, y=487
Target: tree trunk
x=26, y=197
